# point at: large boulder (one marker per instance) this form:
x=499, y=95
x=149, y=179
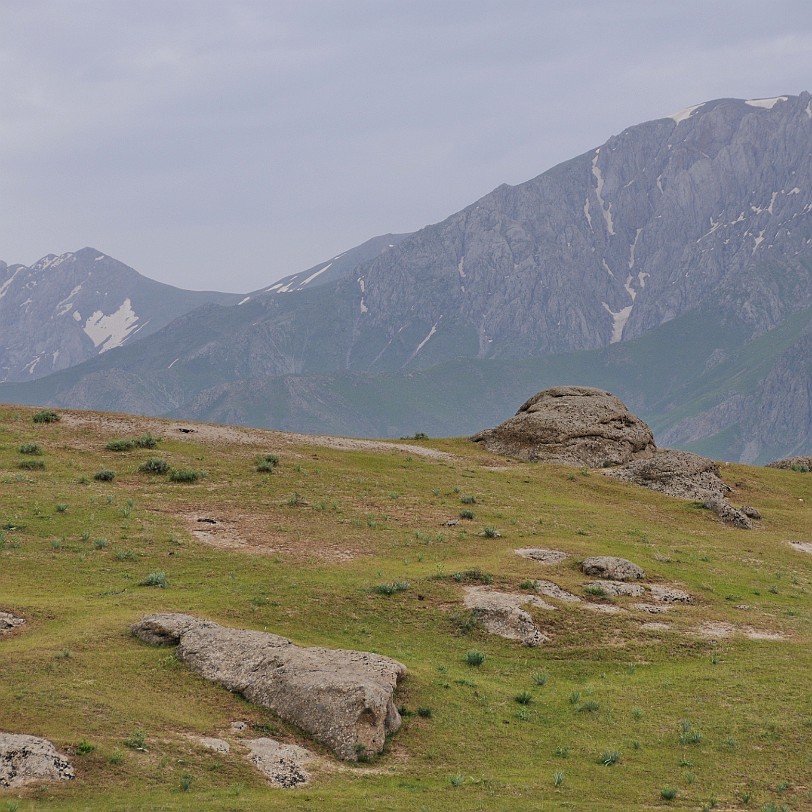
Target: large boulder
x=342, y=698
x=572, y=425
x=24, y=759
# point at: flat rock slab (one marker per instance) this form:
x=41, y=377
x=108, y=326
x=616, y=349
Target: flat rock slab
x=617, y=588
x=9, y=622
x=501, y=613
x=342, y=698
x=216, y=745
x=284, y=765
x=717, y=629
x=542, y=555
x=651, y=608
x=669, y=594
x=571, y=425
x=552, y=590
x=801, y=546
x=24, y=759
x=611, y=568
x=603, y=608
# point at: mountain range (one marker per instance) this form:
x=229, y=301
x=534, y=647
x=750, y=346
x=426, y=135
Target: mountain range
x=672, y=265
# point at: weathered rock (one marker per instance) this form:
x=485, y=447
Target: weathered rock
x=342, y=698
x=675, y=473
x=9, y=622
x=750, y=512
x=651, y=608
x=217, y=745
x=800, y=464
x=501, y=613
x=28, y=758
x=669, y=594
x=542, y=555
x=611, y=568
x=571, y=425
x=552, y=590
x=727, y=513
x=284, y=765
x=801, y=546
x=617, y=588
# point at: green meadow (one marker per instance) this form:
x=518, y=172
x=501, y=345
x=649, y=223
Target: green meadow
x=350, y=547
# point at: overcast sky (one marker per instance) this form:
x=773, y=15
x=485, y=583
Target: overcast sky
x=222, y=144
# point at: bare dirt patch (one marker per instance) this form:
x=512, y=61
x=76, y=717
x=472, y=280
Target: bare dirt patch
x=209, y=433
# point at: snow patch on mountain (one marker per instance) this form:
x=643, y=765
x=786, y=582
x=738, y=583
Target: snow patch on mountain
x=606, y=209
x=683, y=114
x=111, y=331
x=767, y=104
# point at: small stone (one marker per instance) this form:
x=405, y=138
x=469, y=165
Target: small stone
x=543, y=556
x=750, y=512
x=217, y=745
x=611, y=568
x=238, y=727
x=284, y=765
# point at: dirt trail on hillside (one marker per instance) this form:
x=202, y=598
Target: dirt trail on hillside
x=207, y=433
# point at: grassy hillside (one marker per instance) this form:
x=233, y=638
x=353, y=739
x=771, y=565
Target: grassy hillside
x=724, y=722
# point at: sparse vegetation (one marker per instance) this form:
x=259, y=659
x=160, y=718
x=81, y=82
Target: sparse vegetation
x=32, y=465
x=469, y=515
x=104, y=475
x=308, y=572
x=267, y=463
x=523, y=697
x=391, y=588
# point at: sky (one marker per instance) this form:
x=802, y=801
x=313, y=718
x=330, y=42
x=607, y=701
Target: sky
x=223, y=144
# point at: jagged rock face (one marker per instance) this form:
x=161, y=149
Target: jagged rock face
x=344, y=699
x=571, y=425
x=24, y=759
x=714, y=203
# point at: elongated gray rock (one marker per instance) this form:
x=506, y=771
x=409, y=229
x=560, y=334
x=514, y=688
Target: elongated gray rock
x=571, y=425
x=24, y=759
x=501, y=613
x=342, y=698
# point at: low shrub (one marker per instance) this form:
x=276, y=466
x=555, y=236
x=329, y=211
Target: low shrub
x=84, y=747
x=668, y=793
x=266, y=463
x=154, y=465
x=186, y=475
x=468, y=500
x=609, y=758
x=30, y=448
x=104, y=475
x=46, y=417
x=467, y=514
x=145, y=441
x=157, y=578
x=474, y=657
x=120, y=445
x=32, y=465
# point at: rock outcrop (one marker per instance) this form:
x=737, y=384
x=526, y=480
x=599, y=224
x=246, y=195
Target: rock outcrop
x=543, y=555
x=571, y=425
x=342, y=698
x=501, y=613
x=676, y=473
x=611, y=568
x=24, y=759
x=801, y=464
x=9, y=622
